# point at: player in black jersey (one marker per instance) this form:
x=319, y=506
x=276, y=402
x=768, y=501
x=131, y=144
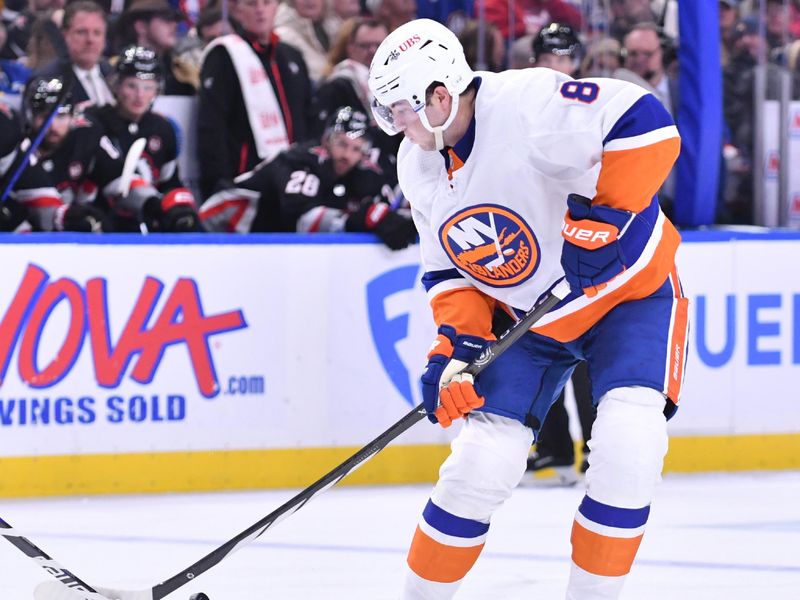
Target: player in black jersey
x=327, y=187
x=56, y=171
x=13, y=212
x=137, y=82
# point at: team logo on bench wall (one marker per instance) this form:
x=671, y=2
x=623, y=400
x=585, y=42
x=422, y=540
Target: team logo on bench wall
x=492, y=244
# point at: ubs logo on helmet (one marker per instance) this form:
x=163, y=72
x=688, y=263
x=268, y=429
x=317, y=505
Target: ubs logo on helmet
x=491, y=243
x=409, y=43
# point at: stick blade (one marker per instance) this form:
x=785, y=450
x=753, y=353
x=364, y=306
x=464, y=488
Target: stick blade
x=53, y=590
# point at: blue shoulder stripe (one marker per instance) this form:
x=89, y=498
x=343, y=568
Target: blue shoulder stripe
x=646, y=114
x=431, y=278
x=449, y=524
x=613, y=516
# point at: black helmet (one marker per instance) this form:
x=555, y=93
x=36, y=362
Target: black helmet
x=557, y=39
x=349, y=121
x=139, y=62
x=42, y=95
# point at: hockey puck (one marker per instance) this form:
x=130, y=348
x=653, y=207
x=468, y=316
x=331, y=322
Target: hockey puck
x=199, y=596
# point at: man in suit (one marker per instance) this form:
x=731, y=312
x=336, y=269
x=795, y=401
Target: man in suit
x=84, y=29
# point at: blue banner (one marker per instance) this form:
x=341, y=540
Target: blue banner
x=699, y=118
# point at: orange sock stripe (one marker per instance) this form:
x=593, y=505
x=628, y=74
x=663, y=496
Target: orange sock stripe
x=602, y=555
x=438, y=562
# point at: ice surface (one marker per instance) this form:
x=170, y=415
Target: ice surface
x=726, y=536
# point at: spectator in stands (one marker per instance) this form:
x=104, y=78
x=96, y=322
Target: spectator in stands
x=392, y=13
x=494, y=47
x=346, y=9
x=644, y=57
x=138, y=77
x=45, y=45
x=210, y=25
x=306, y=25
x=625, y=14
x=792, y=56
x=13, y=75
x=19, y=27
x=154, y=24
x=728, y=17
x=738, y=80
x=11, y=9
x=346, y=81
x=779, y=24
x=84, y=29
x=255, y=97
x=602, y=58
x=340, y=45
x=531, y=15
x=316, y=188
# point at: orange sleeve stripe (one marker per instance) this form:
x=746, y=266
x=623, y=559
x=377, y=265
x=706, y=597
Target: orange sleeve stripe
x=438, y=562
x=677, y=350
x=630, y=178
x=468, y=310
x=603, y=555
x=641, y=285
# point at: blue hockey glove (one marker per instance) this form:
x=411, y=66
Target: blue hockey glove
x=600, y=242
x=448, y=394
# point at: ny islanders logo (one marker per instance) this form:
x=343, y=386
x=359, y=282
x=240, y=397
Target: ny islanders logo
x=492, y=244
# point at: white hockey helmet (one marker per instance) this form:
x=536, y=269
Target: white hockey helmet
x=407, y=62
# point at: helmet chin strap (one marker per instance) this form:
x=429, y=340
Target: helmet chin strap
x=438, y=136
x=438, y=131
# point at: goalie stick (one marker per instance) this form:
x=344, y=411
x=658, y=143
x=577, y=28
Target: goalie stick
x=53, y=591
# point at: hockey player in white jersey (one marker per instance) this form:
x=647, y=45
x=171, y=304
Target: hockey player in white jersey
x=517, y=180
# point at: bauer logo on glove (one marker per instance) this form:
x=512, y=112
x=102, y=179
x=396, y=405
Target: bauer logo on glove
x=448, y=393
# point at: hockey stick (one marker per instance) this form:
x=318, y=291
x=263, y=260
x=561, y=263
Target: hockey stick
x=51, y=591
x=128, y=169
x=67, y=580
x=20, y=166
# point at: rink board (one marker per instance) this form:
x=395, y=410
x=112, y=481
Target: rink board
x=169, y=363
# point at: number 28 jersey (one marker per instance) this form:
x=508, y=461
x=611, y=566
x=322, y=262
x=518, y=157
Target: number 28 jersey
x=490, y=211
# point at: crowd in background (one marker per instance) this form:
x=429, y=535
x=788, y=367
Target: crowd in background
x=271, y=77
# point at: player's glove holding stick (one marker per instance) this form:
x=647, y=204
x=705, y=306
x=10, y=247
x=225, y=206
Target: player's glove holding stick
x=600, y=242
x=447, y=393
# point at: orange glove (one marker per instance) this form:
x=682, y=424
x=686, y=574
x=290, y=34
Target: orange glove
x=447, y=393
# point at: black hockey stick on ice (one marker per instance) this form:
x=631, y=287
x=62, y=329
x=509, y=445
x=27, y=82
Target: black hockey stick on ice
x=516, y=331
x=22, y=162
x=67, y=580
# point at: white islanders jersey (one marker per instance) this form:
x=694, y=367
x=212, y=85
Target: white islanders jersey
x=490, y=211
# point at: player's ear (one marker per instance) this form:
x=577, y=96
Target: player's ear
x=441, y=98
